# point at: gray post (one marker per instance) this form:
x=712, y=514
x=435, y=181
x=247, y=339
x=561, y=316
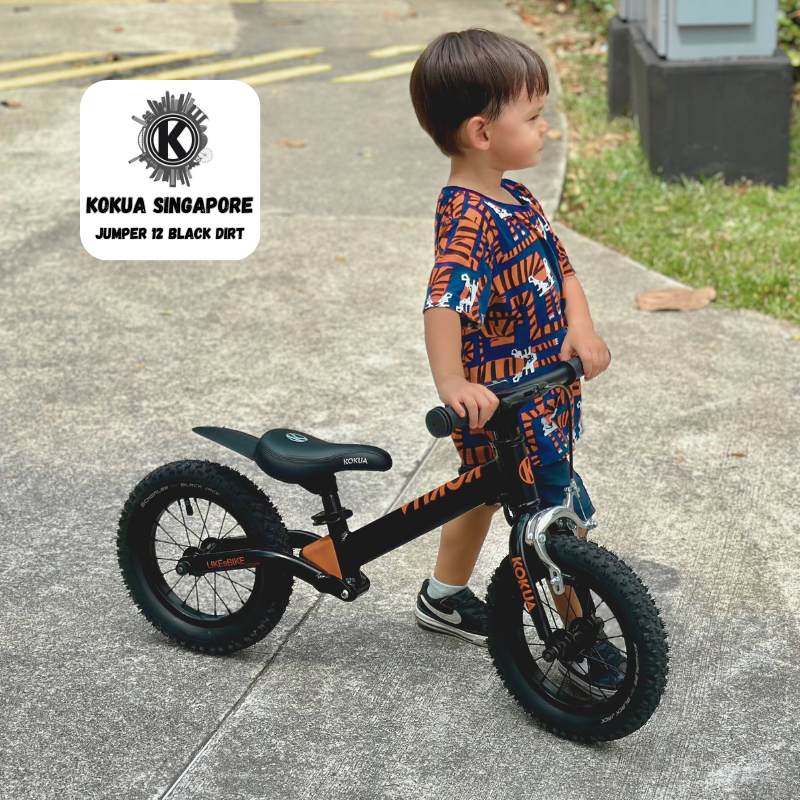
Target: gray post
x=709, y=88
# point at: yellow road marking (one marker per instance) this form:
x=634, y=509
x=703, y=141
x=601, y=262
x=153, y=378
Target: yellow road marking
x=377, y=74
x=228, y=66
x=284, y=74
x=132, y=2
x=396, y=50
x=121, y=2
x=97, y=69
x=43, y=61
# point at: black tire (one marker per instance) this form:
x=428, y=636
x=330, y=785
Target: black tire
x=570, y=712
x=243, y=605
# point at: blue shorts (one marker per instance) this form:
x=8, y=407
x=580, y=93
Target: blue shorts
x=551, y=480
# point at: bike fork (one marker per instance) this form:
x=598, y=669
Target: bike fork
x=529, y=536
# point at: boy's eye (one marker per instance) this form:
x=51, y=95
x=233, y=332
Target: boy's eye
x=535, y=117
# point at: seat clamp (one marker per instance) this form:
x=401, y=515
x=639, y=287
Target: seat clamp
x=326, y=518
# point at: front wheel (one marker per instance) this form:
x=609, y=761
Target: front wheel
x=595, y=666
x=191, y=507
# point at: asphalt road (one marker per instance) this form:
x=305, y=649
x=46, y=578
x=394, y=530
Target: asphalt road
x=321, y=330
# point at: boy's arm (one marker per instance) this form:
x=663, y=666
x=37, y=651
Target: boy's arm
x=443, y=343
x=577, y=308
x=581, y=339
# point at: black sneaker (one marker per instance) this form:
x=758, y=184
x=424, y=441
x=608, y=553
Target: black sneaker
x=461, y=614
x=602, y=670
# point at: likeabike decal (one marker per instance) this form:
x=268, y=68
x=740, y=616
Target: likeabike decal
x=439, y=491
x=228, y=562
x=355, y=460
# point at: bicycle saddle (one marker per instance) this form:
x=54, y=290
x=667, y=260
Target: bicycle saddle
x=295, y=457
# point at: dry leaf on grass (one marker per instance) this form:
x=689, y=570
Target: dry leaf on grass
x=677, y=299
x=554, y=134
x=289, y=143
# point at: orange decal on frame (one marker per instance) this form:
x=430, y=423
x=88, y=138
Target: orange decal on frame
x=526, y=472
x=323, y=554
x=439, y=491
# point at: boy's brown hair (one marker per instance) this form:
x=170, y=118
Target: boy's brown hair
x=467, y=73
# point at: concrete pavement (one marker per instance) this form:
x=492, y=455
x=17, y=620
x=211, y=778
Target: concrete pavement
x=354, y=700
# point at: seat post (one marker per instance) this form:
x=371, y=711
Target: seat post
x=332, y=515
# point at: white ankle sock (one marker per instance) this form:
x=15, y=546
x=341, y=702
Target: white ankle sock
x=437, y=590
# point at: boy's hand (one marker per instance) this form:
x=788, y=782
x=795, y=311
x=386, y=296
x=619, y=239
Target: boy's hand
x=589, y=347
x=466, y=397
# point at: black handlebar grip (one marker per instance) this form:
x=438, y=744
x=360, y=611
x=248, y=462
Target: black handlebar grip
x=443, y=420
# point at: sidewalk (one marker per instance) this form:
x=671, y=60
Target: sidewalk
x=355, y=701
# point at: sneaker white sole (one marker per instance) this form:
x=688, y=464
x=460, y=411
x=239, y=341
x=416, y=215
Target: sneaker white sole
x=441, y=627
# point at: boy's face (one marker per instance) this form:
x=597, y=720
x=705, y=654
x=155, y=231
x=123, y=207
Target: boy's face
x=517, y=137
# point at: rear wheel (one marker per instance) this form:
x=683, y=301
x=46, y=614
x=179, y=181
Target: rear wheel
x=592, y=677
x=188, y=507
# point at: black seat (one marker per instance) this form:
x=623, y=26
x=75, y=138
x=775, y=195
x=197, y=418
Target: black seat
x=295, y=457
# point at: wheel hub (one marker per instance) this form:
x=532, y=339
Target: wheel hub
x=567, y=644
x=184, y=566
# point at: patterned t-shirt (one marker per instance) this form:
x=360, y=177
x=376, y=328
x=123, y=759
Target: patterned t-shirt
x=501, y=267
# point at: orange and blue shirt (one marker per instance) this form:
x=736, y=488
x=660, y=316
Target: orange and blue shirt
x=501, y=267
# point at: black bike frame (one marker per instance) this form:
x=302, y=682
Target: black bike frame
x=506, y=479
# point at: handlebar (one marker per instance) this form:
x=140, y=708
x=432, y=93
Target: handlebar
x=443, y=420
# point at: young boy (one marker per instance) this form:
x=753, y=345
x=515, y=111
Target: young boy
x=503, y=299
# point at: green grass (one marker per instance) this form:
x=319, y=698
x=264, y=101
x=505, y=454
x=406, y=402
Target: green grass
x=742, y=239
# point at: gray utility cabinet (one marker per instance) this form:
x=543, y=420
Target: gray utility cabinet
x=632, y=10
x=689, y=29
x=708, y=86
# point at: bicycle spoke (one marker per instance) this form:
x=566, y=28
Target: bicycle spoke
x=216, y=594
x=605, y=664
x=208, y=511
x=236, y=583
x=621, y=652
x=222, y=524
x=190, y=592
x=232, y=529
x=565, y=676
x=186, y=527
x=176, y=583
x=591, y=696
x=233, y=584
x=170, y=536
x=163, y=541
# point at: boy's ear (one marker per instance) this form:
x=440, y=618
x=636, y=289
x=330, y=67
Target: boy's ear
x=475, y=132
